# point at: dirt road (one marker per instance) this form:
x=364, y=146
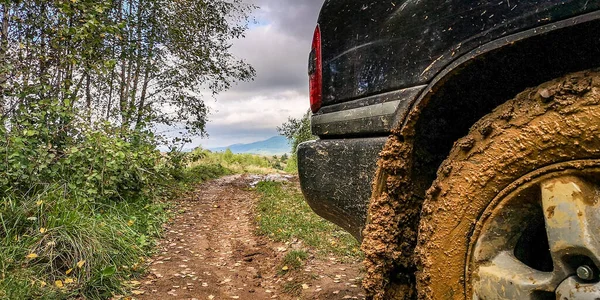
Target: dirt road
x=211, y=251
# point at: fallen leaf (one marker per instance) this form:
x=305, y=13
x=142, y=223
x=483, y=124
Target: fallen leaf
x=69, y=271
x=69, y=280
x=135, y=282
x=305, y=286
x=285, y=268
x=59, y=284
x=80, y=263
x=43, y=283
x=130, y=223
x=211, y=297
x=32, y=255
x=43, y=230
x=138, y=292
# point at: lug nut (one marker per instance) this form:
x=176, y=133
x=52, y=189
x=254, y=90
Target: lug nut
x=585, y=272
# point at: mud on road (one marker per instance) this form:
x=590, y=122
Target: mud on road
x=211, y=251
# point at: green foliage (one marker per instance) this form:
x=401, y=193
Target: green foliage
x=95, y=163
x=56, y=236
x=121, y=61
x=203, y=172
x=83, y=182
x=295, y=258
x=79, y=204
x=297, y=131
x=284, y=215
x=235, y=163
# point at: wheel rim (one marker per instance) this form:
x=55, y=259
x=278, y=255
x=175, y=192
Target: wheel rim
x=540, y=238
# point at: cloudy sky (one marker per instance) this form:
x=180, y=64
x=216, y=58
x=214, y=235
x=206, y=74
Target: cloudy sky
x=277, y=46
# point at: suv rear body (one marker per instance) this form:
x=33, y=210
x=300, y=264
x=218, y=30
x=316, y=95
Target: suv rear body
x=382, y=59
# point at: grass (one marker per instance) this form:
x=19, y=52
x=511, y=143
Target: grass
x=59, y=245
x=56, y=246
x=295, y=258
x=283, y=215
x=238, y=163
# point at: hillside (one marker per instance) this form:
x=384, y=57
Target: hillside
x=276, y=145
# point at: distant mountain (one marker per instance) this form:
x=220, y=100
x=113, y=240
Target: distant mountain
x=277, y=145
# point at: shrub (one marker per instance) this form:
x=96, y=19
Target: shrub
x=78, y=204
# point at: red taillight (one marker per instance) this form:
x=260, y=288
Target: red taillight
x=315, y=72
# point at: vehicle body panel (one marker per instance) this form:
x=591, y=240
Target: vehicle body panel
x=333, y=175
x=380, y=60
x=370, y=47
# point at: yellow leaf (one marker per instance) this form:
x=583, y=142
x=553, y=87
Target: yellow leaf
x=32, y=255
x=59, y=283
x=135, y=282
x=130, y=222
x=74, y=1
x=69, y=280
x=80, y=263
x=39, y=202
x=43, y=230
x=137, y=292
x=285, y=268
x=69, y=271
x=43, y=283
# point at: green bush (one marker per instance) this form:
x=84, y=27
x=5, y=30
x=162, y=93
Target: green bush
x=79, y=205
x=234, y=163
x=297, y=131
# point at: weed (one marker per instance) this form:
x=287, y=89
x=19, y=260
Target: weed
x=284, y=215
x=295, y=258
x=236, y=163
x=293, y=288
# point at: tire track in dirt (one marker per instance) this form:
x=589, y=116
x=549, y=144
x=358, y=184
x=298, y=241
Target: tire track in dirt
x=210, y=251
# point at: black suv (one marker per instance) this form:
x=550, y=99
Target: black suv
x=460, y=142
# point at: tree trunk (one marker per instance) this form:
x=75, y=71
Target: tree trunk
x=3, y=50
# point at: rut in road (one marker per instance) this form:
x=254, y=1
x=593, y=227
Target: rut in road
x=210, y=251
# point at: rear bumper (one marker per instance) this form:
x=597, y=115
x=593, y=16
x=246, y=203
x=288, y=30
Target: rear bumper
x=336, y=177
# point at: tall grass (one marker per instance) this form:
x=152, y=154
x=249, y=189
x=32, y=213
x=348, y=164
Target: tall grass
x=56, y=245
x=236, y=163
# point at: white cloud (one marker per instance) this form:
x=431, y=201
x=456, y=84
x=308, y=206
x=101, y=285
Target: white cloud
x=277, y=47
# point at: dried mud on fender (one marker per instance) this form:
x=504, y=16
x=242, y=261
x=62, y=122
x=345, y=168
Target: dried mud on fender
x=388, y=248
x=519, y=136
x=390, y=235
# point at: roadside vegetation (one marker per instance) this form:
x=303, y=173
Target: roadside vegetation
x=283, y=216
x=296, y=131
x=82, y=85
x=238, y=163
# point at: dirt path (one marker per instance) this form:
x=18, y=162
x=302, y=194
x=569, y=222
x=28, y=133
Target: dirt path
x=210, y=251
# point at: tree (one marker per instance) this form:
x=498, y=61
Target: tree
x=129, y=62
x=297, y=131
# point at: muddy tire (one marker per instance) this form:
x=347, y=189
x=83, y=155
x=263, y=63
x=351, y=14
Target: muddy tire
x=546, y=131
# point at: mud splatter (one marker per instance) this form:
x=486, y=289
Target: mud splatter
x=388, y=247
x=390, y=235
x=557, y=121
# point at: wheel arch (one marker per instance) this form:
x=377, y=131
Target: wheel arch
x=478, y=82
